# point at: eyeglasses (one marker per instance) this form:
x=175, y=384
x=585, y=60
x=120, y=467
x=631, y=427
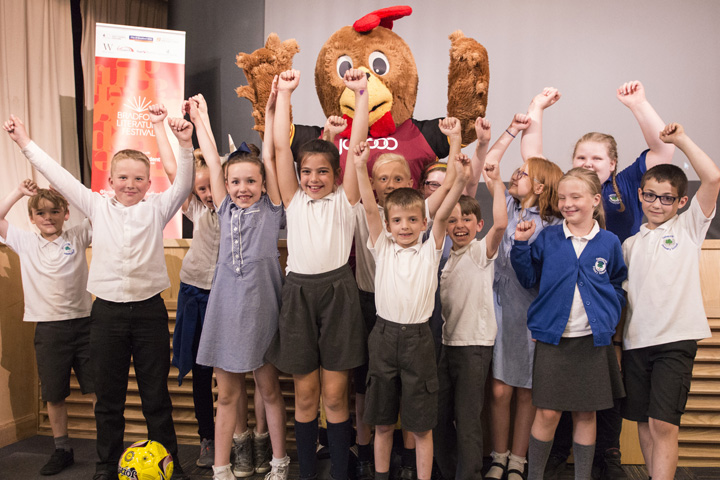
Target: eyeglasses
x=664, y=199
x=432, y=185
x=518, y=174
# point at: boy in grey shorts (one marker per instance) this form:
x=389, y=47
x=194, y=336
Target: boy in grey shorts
x=402, y=369
x=665, y=315
x=54, y=275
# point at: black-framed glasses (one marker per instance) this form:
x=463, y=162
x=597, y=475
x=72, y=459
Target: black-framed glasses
x=432, y=185
x=664, y=199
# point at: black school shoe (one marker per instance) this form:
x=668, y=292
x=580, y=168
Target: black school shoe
x=613, y=469
x=59, y=461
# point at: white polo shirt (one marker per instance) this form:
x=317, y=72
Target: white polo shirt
x=198, y=266
x=405, y=279
x=54, y=273
x=578, y=324
x=128, y=263
x=466, y=294
x=665, y=301
x=319, y=232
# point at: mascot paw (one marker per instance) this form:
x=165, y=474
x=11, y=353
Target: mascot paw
x=468, y=80
x=260, y=67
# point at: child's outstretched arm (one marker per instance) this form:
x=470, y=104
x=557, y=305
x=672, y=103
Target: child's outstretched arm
x=500, y=217
x=26, y=188
x=703, y=165
x=464, y=171
x=360, y=156
x=632, y=95
x=519, y=123
x=524, y=257
x=202, y=107
x=451, y=128
x=210, y=154
x=287, y=178
x=268, y=151
x=531, y=144
x=482, y=130
x=63, y=181
x=356, y=80
x=334, y=126
x=173, y=198
x=157, y=114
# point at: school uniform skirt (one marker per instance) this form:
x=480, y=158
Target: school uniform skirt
x=576, y=376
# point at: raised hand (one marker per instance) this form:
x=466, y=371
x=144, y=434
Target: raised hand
x=672, y=132
x=355, y=79
x=200, y=103
x=157, y=112
x=16, y=129
x=288, y=81
x=549, y=96
x=492, y=170
x=482, y=130
x=28, y=188
x=450, y=126
x=272, y=98
x=463, y=168
x=631, y=93
x=524, y=230
x=182, y=129
x=520, y=121
x=361, y=153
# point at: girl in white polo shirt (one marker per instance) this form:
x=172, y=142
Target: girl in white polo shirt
x=321, y=327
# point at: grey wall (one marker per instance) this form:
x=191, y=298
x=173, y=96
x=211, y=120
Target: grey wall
x=216, y=31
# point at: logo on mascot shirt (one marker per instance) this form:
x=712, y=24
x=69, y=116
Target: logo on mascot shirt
x=386, y=143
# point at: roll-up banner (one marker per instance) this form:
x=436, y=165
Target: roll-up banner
x=135, y=67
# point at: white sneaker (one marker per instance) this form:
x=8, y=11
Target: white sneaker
x=223, y=473
x=280, y=470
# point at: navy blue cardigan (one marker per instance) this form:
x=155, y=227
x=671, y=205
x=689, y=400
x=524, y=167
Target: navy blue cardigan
x=551, y=261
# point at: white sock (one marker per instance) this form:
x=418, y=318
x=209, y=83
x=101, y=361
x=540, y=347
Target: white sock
x=280, y=462
x=516, y=462
x=260, y=435
x=495, y=472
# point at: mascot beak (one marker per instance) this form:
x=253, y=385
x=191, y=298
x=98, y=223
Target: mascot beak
x=381, y=99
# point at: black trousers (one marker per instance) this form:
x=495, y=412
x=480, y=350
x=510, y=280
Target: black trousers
x=117, y=332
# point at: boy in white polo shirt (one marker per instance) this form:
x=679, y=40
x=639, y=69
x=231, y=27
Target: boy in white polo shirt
x=127, y=274
x=54, y=274
x=469, y=329
x=665, y=314
x=402, y=370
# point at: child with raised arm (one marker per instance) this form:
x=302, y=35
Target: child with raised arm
x=54, y=275
x=466, y=292
x=579, y=269
x=127, y=274
x=242, y=311
x=321, y=328
x=405, y=283
x=665, y=314
x=599, y=152
x=196, y=277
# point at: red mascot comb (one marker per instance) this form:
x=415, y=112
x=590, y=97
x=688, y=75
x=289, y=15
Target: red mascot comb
x=383, y=17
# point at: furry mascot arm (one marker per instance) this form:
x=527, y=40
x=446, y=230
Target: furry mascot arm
x=260, y=67
x=468, y=80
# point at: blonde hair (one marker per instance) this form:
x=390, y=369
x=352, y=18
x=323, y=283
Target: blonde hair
x=199, y=159
x=49, y=195
x=592, y=182
x=129, y=154
x=612, y=152
x=543, y=171
x=386, y=158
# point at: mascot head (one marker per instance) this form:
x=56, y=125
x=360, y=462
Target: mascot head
x=372, y=46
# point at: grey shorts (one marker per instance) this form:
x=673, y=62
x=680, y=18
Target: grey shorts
x=320, y=324
x=657, y=381
x=402, y=375
x=60, y=346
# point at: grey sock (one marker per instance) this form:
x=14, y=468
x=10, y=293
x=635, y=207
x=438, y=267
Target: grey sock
x=62, y=443
x=538, y=454
x=583, y=460
x=382, y=475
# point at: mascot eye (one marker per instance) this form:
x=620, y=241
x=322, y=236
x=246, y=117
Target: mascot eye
x=344, y=64
x=379, y=63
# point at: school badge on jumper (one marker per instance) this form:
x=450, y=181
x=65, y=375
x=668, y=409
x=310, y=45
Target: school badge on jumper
x=67, y=249
x=613, y=198
x=600, y=266
x=668, y=242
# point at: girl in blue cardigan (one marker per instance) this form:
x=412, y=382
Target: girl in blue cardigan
x=579, y=269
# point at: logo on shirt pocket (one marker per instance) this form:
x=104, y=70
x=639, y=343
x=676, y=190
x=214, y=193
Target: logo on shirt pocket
x=68, y=249
x=600, y=266
x=613, y=198
x=668, y=242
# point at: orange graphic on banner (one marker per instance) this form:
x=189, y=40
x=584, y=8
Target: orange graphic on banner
x=124, y=89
